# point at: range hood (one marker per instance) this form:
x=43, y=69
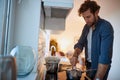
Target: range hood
x=56, y=12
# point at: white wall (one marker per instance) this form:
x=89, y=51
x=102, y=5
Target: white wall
x=74, y=24
x=27, y=23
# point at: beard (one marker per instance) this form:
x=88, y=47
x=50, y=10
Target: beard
x=92, y=23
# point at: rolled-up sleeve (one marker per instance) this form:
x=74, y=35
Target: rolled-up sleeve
x=106, y=48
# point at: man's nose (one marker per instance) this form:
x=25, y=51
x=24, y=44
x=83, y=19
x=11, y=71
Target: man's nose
x=86, y=20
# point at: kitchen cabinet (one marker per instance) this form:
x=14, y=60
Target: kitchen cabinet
x=55, y=13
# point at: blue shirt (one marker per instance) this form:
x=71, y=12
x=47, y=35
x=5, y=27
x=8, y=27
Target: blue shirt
x=102, y=43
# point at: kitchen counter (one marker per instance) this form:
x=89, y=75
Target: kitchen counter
x=61, y=75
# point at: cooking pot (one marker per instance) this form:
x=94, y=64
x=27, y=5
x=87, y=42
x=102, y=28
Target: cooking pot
x=73, y=74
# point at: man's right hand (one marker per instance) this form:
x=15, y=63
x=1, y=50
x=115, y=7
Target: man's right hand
x=74, y=61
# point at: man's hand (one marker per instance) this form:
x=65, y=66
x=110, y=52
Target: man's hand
x=74, y=61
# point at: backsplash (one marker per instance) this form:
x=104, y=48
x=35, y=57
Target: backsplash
x=41, y=49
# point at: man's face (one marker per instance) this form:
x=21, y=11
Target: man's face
x=89, y=17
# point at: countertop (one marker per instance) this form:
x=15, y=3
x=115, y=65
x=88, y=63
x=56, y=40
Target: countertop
x=61, y=75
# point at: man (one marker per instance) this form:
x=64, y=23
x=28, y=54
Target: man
x=97, y=39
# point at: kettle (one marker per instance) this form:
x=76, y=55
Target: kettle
x=52, y=67
x=52, y=64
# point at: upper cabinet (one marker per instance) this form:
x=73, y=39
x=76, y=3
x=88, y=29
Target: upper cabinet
x=55, y=13
x=59, y=3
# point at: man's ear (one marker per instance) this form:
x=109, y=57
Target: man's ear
x=97, y=12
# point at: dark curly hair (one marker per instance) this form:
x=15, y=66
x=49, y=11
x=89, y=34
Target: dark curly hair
x=92, y=5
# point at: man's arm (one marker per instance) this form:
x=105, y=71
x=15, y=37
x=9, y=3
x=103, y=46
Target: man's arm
x=102, y=68
x=107, y=36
